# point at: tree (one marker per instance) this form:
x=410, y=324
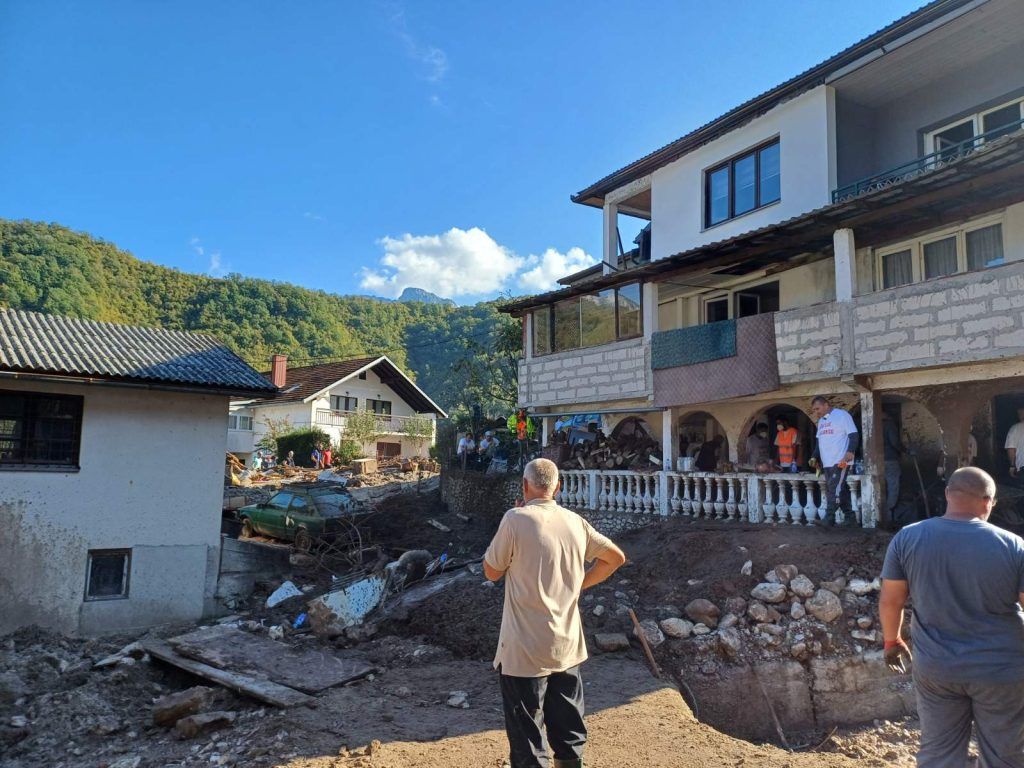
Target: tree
x=276, y=428
x=418, y=430
x=362, y=427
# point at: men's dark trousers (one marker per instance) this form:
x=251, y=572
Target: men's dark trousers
x=947, y=711
x=541, y=711
x=838, y=496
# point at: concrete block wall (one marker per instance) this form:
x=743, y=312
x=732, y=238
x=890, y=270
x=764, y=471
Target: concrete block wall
x=807, y=342
x=963, y=318
x=609, y=372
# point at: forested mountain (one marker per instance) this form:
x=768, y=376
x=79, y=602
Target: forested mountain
x=459, y=355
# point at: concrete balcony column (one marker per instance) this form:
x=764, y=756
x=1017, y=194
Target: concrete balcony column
x=611, y=238
x=845, y=248
x=669, y=443
x=872, y=484
x=649, y=309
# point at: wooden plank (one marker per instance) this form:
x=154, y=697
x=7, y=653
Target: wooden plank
x=264, y=690
x=306, y=669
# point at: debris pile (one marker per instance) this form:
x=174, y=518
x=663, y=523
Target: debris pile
x=583, y=449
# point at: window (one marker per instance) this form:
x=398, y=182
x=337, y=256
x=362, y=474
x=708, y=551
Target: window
x=344, y=403
x=237, y=421
x=976, y=245
x=107, y=574
x=280, y=501
x=38, y=430
x=379, y=406
x=716, y=310
x=362, y=376
x=951, y=139
x=743, y=184
x=298, y=504
x=588, y=321
x=542, y=331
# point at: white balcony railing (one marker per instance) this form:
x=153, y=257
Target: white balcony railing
x=386, y=424
x=744, y=497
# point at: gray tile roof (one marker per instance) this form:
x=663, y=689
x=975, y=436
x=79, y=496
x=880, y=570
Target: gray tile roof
x=33, y=342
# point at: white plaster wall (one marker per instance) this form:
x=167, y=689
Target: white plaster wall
x=298, y=415
x=151, y=479
x=807, y=285
x=807, y=144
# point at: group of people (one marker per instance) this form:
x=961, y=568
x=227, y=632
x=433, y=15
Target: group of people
x=322, y=456
x=964, y=575
x=471, y=455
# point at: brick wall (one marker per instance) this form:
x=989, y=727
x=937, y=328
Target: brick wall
x=807, y=342
x=610, y=372
x=958, y=319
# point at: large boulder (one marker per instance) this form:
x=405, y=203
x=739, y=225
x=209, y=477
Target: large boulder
x=769, y=592
x=786, y=573
x=703, y=612
x=825, y=606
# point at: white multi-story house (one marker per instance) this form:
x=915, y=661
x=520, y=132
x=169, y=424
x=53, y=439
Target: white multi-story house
x=857, y=231
x=326, y=395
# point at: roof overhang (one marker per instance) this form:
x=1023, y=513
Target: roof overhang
x=902, y=30
x=395, y=378
x=196, y=389
x=991, y=177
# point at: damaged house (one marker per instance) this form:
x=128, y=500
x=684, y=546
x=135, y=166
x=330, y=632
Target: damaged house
x=326, y=395
x=112, y=441
x=857, y=231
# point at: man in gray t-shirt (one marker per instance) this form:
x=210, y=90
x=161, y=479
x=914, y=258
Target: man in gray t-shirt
x=966, y=579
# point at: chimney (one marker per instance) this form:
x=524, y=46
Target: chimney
x=278, y=370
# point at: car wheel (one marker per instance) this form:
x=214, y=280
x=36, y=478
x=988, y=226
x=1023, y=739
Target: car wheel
x=247, y=530
x=302, y=540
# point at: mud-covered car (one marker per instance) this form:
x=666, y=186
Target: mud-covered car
x=301, y=513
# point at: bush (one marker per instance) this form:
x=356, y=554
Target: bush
x=347, y=451
x=302, y=440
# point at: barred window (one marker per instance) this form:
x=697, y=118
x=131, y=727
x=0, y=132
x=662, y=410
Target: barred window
x=39, y=430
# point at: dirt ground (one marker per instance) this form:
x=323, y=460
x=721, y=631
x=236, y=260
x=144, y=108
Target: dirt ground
x=57, y=710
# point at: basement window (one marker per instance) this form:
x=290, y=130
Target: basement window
x=107, y=575
x=39, y=431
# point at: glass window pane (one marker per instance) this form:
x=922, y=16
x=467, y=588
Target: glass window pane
x=629, y=310
x=542, y=331
x=716, y=310
x=280, y=501
x=743, y=174
x=1001, y=121
x=718, y=196
x=298, y=503
x=107, y=574
x=597, y=318
x=770, y=180
x=985, y=247
x=940, y=258
x=897, y=269
x=567, y=324
x=950, y=139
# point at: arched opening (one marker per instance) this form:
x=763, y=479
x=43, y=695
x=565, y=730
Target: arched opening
x=703, y=442
x=784, y=447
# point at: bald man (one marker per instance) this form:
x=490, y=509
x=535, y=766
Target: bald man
x=966, y=578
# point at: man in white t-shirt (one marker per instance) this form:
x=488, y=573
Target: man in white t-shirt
x=467, y=445
x=1015, y=445
x=838, y=440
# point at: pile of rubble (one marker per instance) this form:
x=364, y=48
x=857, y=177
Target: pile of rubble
x=785, y=614
x=581, y=449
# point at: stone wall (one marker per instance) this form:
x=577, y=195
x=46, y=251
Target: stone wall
x=609, y=372
x=612, y=524
x=807, y=342
x=964, y=318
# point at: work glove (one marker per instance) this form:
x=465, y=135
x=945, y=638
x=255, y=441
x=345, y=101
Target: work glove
x=897, y=656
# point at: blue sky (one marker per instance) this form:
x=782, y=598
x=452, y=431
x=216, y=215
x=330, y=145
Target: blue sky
x=358, y=147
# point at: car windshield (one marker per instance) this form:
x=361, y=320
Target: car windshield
x=331, y=503
x=280, y=501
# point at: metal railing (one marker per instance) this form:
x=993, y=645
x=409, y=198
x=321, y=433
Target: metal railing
x=930, y=162
x=386, y=423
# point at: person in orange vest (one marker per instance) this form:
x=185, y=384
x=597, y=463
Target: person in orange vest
x=787, y=443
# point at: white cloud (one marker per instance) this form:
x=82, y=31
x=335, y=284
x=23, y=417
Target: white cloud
x=457, y=263
x=550, y=266
x=197, y=245
x=433, y=61
x=216, y=268
x=465, y=263
x=312, y=216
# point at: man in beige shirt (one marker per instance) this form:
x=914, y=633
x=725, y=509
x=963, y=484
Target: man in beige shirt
x=541, y=549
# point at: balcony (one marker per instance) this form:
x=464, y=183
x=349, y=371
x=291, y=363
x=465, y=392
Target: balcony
x=715, y=361
x=386, y=423
x=926, y=164
x=241, y=441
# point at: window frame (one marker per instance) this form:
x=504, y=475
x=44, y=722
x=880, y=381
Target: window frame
x=235, y=422
x=127, y=576
x=730, y=164
x=917, y=244
x=345, y=399
x=977, y=119
x=75, y=465
x=550, y=309
x=370, y=406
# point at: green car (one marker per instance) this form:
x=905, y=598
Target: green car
x=300, y=513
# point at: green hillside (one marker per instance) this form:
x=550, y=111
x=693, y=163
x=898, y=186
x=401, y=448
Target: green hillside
x=459, y=355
